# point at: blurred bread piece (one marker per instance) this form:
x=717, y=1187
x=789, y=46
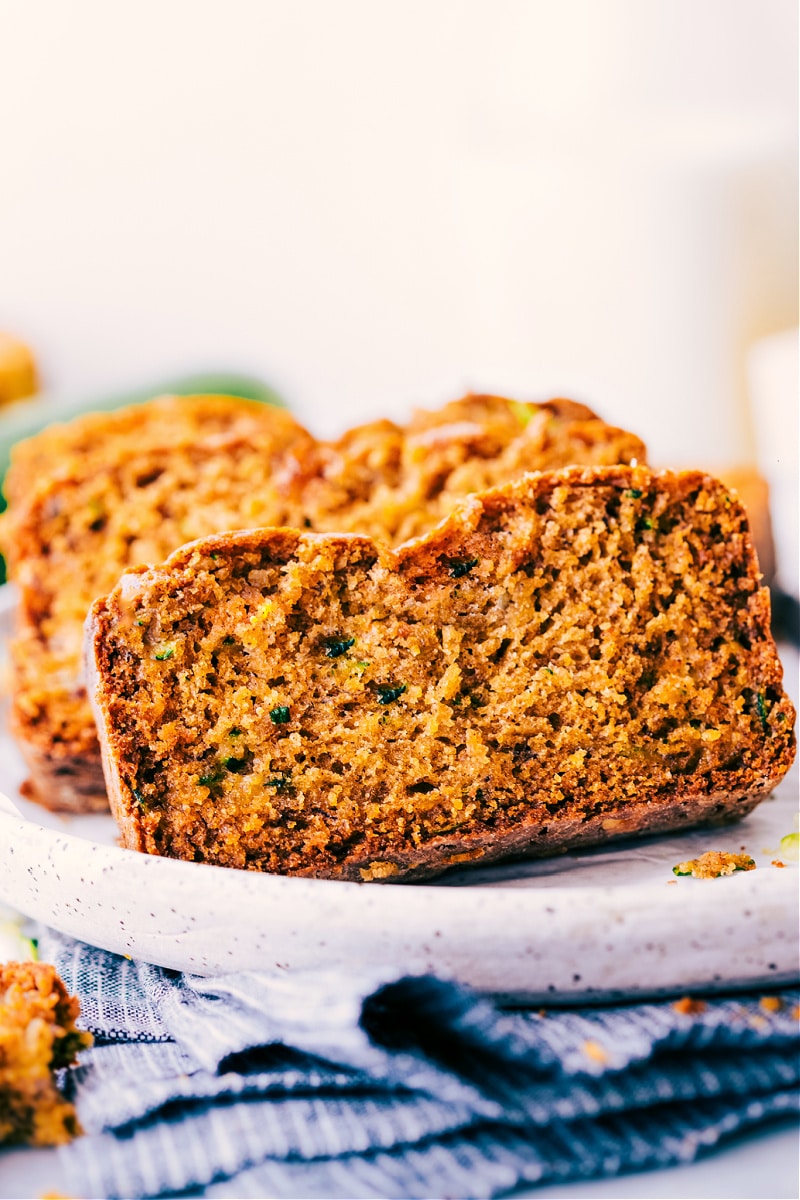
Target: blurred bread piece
x=753, y=491
x=18, y=374
x=773, y=373
x=90, y=497
x=394, y=482
x=38, y=1036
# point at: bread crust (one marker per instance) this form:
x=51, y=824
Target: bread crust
x=676, y=720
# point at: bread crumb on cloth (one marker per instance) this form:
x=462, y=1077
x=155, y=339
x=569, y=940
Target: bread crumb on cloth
x=38, y=1036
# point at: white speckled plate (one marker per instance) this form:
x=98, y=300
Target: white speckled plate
x=598, y=924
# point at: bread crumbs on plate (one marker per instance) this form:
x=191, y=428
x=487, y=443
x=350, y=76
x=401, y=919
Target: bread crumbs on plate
x=715, y=863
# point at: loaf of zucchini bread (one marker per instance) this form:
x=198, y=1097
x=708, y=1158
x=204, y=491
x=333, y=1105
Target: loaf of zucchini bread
x=573, y=657
x=93, y=497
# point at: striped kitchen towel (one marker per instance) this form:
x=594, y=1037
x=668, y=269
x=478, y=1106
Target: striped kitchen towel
x=323, y=1085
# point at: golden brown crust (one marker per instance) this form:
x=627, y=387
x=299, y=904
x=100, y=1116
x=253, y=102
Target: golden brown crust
x=38, y=1036
x=69, y=450
x=91, y=498
x=578, y=656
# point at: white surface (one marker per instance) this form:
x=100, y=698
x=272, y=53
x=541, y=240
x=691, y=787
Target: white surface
x=601, y=923
x=761, y=1166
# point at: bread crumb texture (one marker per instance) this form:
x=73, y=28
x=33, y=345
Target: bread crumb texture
x=38, y=1036
x=573, y=657
x=105, y=492
x=715, y=863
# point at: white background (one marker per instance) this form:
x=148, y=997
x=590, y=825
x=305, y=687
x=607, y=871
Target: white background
x=376, y=203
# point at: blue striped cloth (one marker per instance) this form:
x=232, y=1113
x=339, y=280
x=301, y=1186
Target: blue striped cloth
x=370, y=1086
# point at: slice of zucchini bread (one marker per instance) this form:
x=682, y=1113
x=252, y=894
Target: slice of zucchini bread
x=97, y=495
x=573, y=657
